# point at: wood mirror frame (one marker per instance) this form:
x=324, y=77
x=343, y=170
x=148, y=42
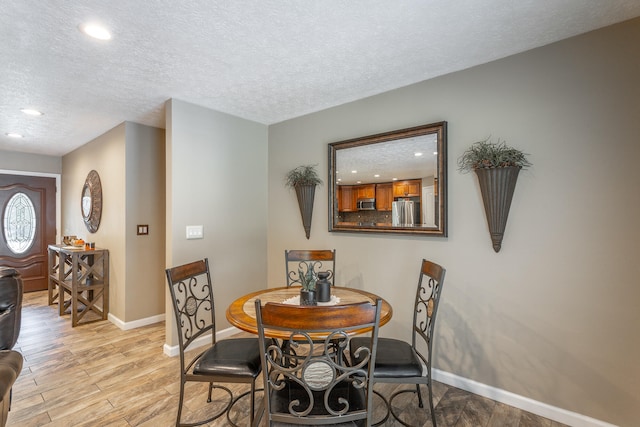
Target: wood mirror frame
x=91, y=202
x=384, y=168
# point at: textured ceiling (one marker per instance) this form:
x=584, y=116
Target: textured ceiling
x=266, y=61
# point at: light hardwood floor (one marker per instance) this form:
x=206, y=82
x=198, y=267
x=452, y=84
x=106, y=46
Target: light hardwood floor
x=98, y=375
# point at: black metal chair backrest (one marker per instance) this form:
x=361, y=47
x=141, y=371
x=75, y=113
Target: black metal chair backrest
x=426, y=307
x=305, y=383
x=193, y=304
x=297, y=261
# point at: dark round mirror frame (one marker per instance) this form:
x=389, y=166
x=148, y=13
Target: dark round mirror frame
x=92, y=217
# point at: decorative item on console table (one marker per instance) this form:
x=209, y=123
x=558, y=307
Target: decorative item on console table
x=497, y=166
x=304, y=180
x=308, y=280
x=68, y=240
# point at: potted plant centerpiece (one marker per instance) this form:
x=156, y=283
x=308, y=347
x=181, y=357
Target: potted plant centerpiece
x=304, y=179
x=497, y=166
x=308, y=281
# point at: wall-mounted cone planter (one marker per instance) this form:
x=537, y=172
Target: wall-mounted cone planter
x=497, y=186
x=305, y=194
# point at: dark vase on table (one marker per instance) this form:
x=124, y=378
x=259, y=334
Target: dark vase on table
x=323, y=287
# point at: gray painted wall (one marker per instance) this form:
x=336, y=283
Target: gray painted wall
x=216, y=177
x=106, y=155
x=130, y=161
x=28, y=162
x=145, y=202
x=553, y=316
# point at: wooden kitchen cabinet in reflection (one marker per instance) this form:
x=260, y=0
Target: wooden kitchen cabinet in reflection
x=410, y=188
x=384, y=196
x=367, y=191
x=347, y=198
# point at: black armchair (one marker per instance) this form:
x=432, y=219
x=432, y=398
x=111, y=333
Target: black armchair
x=10, y=317
x=10, y=307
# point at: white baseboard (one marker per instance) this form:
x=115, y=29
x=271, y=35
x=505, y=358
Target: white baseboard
x=125, y=326
x=174, y=350
x=526, y=404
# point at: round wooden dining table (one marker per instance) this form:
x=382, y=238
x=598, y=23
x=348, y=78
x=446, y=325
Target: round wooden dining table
x=242, y=314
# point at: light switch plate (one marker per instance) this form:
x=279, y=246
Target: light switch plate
x=195, y=232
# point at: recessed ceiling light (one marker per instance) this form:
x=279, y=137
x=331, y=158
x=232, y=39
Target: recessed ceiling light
x=354, y=171
x=417, y=154
x=376, y=176
x=96, y=31
x=13, y=135
x=31, y=112
x=435, y=153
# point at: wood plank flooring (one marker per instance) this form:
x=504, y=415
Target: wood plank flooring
x=98, y=375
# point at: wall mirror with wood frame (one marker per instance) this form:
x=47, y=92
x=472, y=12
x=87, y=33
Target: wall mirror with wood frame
x=91, y=201
x=393, y=182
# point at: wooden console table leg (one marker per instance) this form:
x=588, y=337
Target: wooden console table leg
x=51, y=272
x=105, y=292
x=74, y=292
x=62, y=265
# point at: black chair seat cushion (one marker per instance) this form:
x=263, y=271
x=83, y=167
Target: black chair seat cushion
x=280, y=400
x=394, y=358
x=231, y=357
x=10, y=368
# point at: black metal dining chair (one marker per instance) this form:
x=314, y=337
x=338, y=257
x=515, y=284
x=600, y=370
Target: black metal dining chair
x=316, y=259
x=308, y=386
x=234, y=360
x=400, y=362
x=300, y=261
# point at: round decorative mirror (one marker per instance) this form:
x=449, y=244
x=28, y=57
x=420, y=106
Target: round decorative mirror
x=91, y=201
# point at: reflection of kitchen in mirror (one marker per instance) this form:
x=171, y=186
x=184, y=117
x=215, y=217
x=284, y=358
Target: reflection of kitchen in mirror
x=390, y=182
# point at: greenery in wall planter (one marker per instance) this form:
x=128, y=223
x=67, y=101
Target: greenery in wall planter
x=497, y=166
x=304, y=180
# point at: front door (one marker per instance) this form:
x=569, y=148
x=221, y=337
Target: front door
x=27, y=226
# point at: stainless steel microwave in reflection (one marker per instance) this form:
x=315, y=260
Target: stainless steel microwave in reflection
x=366, y=204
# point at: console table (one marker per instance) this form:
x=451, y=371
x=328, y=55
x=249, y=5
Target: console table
x=83, y=275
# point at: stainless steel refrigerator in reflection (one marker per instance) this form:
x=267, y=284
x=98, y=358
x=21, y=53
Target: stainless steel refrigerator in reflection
x=403, y=213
